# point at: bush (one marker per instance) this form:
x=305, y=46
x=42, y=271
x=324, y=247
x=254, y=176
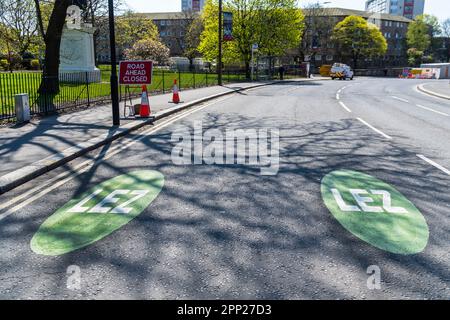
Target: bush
x=4, y=64
x=35, y=65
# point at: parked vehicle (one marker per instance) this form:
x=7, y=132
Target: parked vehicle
x=341, y=71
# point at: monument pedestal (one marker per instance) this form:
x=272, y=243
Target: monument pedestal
x=77, y=55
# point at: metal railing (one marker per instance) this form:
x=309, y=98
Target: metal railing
x=85, y=89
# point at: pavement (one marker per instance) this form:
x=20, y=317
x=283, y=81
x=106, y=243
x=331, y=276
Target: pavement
x=224, y=231
x=29, y=150
x=438, y=88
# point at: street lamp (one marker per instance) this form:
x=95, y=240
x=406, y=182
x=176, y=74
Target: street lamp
x=113, y=79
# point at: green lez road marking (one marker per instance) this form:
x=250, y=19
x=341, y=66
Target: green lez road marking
x=375, y=212
x=97, y=213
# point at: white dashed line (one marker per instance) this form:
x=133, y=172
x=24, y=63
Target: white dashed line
x=434, y=164
x=375, y=129
x=432, y=110
x=400, y=99
x=344, y=106
x=337, y=96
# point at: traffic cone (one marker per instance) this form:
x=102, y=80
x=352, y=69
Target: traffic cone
x=145, y=105
x=176, y=93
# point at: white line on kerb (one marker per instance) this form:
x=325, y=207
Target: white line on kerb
x=345, y=107
x=432, y=110
x=375, y=129
x=400, y=99
x=35, y=193
x=434, y=164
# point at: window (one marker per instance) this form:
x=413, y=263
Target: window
x=329, y=57
x=318, y=57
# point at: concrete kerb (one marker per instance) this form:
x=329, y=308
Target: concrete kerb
x=18, y=177
x=432, y=93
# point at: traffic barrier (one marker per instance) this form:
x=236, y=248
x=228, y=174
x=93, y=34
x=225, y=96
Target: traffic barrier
x=176, y=93
x=145, y=105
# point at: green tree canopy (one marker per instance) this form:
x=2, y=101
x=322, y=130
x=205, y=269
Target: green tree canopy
x=358, y=38
x=132, y=27
x=275, y=25
x=418, y=39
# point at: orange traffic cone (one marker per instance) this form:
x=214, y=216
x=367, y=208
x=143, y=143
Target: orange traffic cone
x=145, y=105
x=176, y=93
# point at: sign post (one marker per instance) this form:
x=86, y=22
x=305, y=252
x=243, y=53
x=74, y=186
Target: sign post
x=113, y=78
x=254, y=49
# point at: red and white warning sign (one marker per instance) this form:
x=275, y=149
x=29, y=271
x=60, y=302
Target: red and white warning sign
x=135, y=72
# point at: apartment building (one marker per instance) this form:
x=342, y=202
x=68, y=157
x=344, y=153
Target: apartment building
x=406, y=8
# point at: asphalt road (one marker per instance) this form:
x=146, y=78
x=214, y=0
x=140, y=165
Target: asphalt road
x=226, y=231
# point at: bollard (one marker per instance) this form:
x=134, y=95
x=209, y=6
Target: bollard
x=22, y=102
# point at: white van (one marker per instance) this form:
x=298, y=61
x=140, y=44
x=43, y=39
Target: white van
x=341, y=71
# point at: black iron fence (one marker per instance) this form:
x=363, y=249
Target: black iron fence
x=85, y=89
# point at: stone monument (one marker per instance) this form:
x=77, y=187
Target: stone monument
x=77, y=49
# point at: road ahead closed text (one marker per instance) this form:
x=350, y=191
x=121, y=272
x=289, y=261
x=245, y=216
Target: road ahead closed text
x=135, y=72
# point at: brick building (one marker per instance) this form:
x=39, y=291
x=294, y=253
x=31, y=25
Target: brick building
x=318, y=49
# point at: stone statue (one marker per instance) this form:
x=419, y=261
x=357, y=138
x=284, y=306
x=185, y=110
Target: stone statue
x=77, y=48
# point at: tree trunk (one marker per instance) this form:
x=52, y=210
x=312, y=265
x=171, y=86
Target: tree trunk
x=50, y=82
x=247, y=70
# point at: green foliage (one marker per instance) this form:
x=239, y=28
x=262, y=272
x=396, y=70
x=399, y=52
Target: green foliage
x=434, y=27
x=275, y=25
x=35, y=65
x=132, y=27
x=358, y=38
x=4, y=64
x=192, y=38
x=149, y=49
x=418, y=35
x=418, y=39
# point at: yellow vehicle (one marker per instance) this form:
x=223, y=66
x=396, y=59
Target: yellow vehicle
x=325, y=70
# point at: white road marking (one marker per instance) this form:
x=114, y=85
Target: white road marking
x=31, y=195
x=434, y=164
x=400, y=99
x=345, y=107
x=375, y=129
x=432, y=110
x=337, y=96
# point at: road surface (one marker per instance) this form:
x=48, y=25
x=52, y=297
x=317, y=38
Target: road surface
x=227, y=232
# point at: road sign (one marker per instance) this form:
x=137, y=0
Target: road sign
x=375, y=212
x=135, y=72
x=255, y=47
x=97, y=212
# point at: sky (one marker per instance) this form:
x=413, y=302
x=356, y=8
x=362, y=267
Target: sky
x=439, y=8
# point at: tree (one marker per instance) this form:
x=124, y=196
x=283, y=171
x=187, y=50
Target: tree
x=418, y=39
x=317, y=31
x=19, y=25
x=133, y=27
x=446, y=28
x=358, y=38
x=446, y=35
x=96, y=13
x=433, y=24
x=192, y=39
x=275, y=25
x=149, y=49
x=52, y=35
